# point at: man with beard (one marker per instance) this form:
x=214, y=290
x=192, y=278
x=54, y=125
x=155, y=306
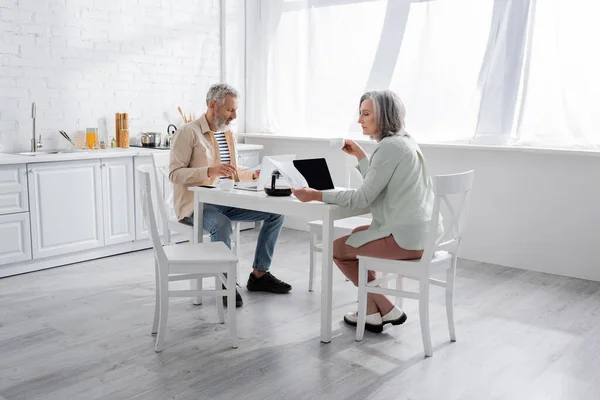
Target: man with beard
x=205, y=150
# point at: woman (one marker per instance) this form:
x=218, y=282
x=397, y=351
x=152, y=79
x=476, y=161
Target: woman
x=397, y=188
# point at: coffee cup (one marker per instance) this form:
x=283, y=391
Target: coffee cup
x=337, y=143
x=225, y=184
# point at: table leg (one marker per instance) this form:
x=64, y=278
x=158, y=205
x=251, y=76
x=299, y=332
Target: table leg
x=326, y=279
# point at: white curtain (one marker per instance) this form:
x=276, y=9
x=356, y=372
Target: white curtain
x=438, y=67
x=493, y=71
x=561, y=87
x=501, y=71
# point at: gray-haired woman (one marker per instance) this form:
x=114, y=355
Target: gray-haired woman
x=397, y=188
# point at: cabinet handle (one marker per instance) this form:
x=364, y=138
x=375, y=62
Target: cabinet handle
x=103, y=165
x=32, y=170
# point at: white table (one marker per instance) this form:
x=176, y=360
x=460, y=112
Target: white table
x=287, y=206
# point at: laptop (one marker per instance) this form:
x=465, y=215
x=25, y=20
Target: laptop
x=316, y=173
x=266, y=168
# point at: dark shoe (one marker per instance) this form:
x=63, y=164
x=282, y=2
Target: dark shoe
x=267, y=283
x=395, y=317
x=238, y=299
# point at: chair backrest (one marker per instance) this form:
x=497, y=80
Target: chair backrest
x=354, y=179
x=452, y=196
x=145, y=173
x=160, y=161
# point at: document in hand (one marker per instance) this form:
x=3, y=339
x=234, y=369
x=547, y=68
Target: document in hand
x=290, y=173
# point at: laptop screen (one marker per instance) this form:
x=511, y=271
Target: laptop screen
x=316, y=173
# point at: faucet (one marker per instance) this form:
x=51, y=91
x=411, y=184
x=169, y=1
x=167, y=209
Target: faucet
x=35, y=144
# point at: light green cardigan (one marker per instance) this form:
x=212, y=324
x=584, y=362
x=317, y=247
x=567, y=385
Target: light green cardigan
x=399, y=191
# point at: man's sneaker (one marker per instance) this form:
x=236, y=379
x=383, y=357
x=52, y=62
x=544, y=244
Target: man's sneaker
x=373, y=322
x=267, y=283
x=238, y=298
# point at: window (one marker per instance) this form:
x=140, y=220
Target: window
x=494, y=71
x=562, y=86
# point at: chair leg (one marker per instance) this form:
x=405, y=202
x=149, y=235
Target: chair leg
x=313, y=261
x=424, y=315
x=196, y=284
x=157, y=301
x=237, y=239
x=164, y=313
x=362, y=300
x=219, y=300
x=399, y=285
x=450, y=278
x=231, y=311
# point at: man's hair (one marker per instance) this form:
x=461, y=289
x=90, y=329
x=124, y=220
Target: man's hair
x=219, y=91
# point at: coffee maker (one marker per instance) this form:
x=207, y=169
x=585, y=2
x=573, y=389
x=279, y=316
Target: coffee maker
x=278, y=186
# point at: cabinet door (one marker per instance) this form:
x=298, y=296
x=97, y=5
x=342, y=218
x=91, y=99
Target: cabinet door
x=141, y=229
x=16, y=240
x=65, y=207
x=118, y=200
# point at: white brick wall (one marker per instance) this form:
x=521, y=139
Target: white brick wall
x=82, y=61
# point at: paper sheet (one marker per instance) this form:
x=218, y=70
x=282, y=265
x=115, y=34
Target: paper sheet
x=253, y=169
x=290, y=173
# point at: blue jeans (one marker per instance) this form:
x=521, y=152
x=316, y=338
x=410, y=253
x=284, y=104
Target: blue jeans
x=217, y=221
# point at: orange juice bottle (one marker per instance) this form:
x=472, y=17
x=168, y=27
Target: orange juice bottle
x=91, y=137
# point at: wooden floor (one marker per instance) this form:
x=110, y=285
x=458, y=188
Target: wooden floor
x=83, y=332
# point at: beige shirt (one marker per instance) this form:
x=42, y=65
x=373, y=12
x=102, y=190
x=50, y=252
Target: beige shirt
x=193, y=150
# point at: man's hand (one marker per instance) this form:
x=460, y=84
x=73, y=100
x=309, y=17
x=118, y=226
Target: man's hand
x=222, y=170
x=307, y=194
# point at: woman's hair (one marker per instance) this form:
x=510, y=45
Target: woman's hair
x=389, y=112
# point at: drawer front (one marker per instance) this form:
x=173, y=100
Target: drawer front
x=13, y=201
x=16, y=240
x=13, y=189
x=13, y=176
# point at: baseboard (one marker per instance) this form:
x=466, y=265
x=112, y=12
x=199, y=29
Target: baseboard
x=23, y=267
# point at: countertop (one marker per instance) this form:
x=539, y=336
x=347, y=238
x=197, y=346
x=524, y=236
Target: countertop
x=7, y=158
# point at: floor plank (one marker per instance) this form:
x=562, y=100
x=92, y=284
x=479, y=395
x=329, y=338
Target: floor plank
x=83, y=332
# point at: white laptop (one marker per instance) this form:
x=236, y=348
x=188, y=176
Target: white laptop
x=266, y=168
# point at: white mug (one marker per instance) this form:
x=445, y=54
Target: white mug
x=337, y=143
x=225, y=184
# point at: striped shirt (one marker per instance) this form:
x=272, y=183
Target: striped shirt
x=223, y=148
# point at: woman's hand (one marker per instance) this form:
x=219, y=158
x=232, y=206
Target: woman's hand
x=256, y=174
x=307, y=194
x=354, y=149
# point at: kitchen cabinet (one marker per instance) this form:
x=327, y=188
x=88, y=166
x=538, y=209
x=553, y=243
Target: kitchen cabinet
x=65, y=207
x=16, y=243
x=118, y=200
x=141, y=228
x=13, y=189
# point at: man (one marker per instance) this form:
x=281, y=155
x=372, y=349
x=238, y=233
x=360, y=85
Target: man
x=203, y=151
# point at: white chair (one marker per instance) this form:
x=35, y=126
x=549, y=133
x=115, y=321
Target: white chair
x=186, y=262
x=341, y=227
x=160, y=161
x=439, y=252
